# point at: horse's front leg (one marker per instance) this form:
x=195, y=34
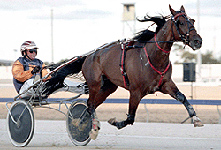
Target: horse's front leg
x=171, y=88
x=134, y=101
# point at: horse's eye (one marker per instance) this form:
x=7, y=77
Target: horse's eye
x=181, y=23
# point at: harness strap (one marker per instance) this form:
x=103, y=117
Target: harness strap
x=159, y=72
x=155, y=37
x=177, y=15
x=122, y=66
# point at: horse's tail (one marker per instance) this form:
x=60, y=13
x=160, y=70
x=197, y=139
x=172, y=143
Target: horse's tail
x=58, y=77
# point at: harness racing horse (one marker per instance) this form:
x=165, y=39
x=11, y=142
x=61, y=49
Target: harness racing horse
x=147, y=65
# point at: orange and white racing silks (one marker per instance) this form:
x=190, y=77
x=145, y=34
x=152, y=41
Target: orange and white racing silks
x=21, y=70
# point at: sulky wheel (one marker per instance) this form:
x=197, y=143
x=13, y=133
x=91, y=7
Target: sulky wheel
x=79, y=123
x=20, y=123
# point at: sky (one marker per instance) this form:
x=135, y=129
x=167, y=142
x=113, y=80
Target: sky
x=80, y=26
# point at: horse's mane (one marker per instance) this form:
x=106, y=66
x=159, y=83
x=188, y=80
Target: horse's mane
x=145, y=35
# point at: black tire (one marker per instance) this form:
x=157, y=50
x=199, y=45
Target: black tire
x=22, y=114
x=78, y=123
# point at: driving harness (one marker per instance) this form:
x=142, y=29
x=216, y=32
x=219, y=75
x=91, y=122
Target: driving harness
x=126, y=45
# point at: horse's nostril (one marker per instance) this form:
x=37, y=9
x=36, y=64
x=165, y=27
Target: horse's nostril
x=197, y=42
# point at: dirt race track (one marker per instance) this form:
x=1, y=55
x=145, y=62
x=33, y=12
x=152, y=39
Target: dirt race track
x=51, y=135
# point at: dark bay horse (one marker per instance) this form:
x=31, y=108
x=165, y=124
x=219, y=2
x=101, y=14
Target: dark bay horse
x=147, y=65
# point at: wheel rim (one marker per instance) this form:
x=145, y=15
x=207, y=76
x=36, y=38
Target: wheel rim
x=78, y=129
x=21, y=131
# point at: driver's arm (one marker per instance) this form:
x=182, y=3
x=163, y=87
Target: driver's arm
x=19, y=73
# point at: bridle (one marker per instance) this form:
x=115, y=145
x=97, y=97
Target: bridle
x=175, y=19
x=184, y=38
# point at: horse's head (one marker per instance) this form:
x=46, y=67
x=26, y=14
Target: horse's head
x=185, y=30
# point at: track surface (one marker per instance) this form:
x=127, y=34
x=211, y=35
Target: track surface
x=154, y=136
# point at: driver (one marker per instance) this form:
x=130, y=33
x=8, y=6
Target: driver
x=27, y=69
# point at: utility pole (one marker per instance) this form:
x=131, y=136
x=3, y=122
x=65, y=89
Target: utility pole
x=52, y=44
x=199, y=56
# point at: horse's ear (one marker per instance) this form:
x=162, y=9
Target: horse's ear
x=182, y=9
x=192, y=21
x=171, y=10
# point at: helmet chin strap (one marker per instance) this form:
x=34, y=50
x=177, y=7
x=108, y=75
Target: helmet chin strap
x=27, y=56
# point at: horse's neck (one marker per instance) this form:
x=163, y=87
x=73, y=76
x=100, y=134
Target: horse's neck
x=159, y=57
x=165, y=34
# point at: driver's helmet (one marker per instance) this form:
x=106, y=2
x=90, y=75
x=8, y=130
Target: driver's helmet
x=27, y=45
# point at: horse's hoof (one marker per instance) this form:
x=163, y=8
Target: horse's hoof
x=112, y=121
x=95, y=128
x=197, y=122
x=93, y=134
x=119, y=125
x=96, y=124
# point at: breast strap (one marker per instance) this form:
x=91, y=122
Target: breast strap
x=159, y=72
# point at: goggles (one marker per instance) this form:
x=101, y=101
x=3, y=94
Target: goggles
x=32, y=51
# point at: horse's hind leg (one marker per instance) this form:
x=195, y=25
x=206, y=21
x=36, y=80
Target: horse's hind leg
x=106, y=89
x=171, y=88
x=99, y=92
